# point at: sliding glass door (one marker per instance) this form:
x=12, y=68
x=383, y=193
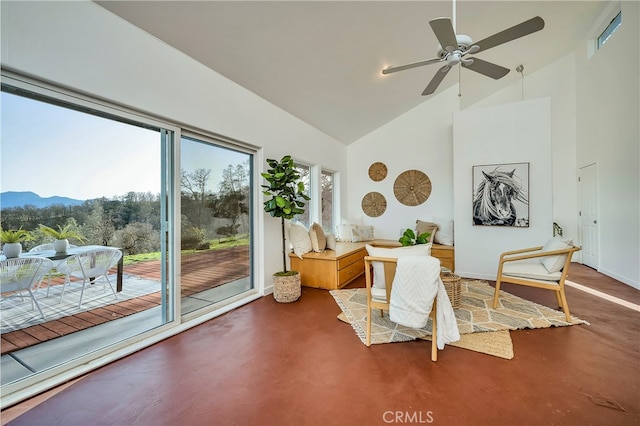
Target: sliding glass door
x=70, y=164
x=216, y=211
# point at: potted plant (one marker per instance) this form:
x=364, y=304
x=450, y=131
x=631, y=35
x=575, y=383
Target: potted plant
x=409, y=238
x=12, y=241
x=287, y=200
x=61, y=236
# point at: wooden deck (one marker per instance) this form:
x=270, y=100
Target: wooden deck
x=200, y=271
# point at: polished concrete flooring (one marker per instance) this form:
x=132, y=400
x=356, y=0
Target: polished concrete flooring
x=296, y=364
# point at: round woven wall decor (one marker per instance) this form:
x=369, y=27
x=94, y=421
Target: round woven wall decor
x=374, y=204
x=412, y=187
x=377, y=171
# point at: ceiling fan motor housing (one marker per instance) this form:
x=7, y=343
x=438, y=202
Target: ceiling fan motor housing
x=464, y=41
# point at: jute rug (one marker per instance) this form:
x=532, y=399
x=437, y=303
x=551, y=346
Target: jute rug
x=482, y=328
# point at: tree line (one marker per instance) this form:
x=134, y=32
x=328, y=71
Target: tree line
x=132, y=221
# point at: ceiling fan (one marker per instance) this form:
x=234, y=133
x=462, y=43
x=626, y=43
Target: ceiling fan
x=454, y=48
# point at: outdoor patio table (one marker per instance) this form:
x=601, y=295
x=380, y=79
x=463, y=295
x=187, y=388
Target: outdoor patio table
x=52, y=255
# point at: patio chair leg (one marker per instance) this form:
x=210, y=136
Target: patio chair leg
x=34, y=301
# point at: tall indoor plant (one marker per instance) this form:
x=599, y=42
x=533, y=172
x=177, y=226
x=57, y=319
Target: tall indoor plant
x=287, y=200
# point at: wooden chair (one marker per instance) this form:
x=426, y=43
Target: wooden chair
x=539, y=267
x=378, y=298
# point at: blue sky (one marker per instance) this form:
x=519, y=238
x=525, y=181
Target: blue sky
x=51, y=150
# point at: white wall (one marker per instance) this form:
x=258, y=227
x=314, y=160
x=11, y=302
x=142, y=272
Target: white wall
x=518, y=132
x=595, y=116
x=419, y=139
x=608, y=115
x=83, y=46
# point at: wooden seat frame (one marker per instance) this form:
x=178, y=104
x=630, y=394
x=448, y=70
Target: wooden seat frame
x=389, y=273
x=533, y=253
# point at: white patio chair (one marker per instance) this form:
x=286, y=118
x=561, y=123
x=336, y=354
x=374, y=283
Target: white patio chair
x=89, y=266
x=20, y=274
x=46, y=247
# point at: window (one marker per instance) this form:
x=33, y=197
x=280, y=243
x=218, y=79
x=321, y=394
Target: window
x=305, y=177
x=327, y=194
x=611, y=28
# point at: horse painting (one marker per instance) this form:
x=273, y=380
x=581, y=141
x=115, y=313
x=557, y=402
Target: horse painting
x=494, y=198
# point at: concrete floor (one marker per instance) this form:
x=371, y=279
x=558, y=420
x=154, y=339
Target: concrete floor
x=296, y=364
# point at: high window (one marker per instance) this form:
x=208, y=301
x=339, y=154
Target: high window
x=611, y=28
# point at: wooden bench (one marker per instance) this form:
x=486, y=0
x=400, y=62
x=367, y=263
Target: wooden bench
x=333, y=269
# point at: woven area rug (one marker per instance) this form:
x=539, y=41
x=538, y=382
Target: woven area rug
x=482, y=328
x=16, y=314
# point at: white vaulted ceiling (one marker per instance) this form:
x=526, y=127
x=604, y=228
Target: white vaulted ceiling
x=321, y=60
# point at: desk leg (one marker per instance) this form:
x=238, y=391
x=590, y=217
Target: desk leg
x=119, y=275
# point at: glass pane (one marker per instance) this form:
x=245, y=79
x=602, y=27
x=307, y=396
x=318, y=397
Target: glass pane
x=611, y=28
x=327, y=201
x=305, y=177
x=216, y=223
x=101, y=180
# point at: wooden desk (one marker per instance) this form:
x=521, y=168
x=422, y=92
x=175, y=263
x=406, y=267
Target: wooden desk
x=52, y=255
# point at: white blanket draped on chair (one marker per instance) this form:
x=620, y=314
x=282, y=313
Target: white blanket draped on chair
x=417, y=282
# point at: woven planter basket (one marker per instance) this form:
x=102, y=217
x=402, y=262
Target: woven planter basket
x=286, y=289
x=452, y=285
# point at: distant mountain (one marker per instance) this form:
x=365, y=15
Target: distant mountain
x=20, y=199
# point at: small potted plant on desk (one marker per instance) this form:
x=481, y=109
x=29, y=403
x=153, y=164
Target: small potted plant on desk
x=409, y=238
x=61, y=237
x=12, y=241
x=287, y=200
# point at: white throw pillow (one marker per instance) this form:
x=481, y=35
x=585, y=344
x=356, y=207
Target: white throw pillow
x=378, y=267
x=331, y=241
x=444, y=235
x=555, y=263
x=343, y=233
x=361, y=233
x=318, y=240
x=299, y=239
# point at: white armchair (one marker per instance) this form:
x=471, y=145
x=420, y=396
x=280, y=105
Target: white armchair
x=543, y=267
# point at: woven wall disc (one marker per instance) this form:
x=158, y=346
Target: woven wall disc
x=374, y=204
x=377, y=171
x=412, y=188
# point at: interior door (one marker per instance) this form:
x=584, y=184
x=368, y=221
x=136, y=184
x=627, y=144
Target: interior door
x=588, y=184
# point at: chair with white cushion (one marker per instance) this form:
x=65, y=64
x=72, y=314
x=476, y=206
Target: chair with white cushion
x=89, y=266
x=20, y=274
x=543, y=267
x=378, y=298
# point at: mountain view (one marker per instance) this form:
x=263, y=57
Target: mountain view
x=23, y=198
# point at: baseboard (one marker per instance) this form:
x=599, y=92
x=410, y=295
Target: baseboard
x=625, y=280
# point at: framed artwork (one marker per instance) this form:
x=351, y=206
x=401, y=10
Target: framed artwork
x=501, y=195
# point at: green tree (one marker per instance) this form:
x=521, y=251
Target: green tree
x=231, y=200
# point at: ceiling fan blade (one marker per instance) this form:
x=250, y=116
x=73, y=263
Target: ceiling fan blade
x=443, y=30
x=487, y=68
x=436, y=80
x=517, y=31
x=389, y=70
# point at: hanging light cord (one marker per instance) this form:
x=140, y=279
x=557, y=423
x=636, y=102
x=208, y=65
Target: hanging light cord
x=520, y=69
